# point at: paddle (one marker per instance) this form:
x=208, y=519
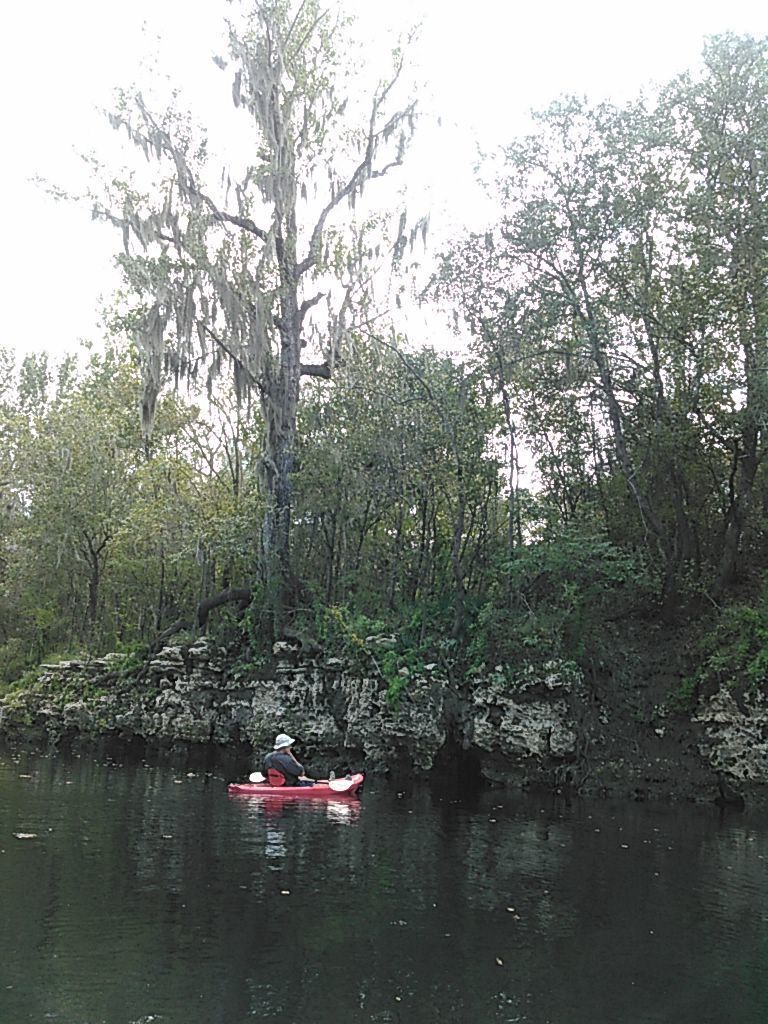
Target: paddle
x=337, y=785
x=258, y=777
x=341, y=785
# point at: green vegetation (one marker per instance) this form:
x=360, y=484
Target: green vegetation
x=369, y=646
x=596, y=456
x=734, y=654
x=561, y=599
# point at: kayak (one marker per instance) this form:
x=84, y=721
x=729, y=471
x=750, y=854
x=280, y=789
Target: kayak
x=320, y=791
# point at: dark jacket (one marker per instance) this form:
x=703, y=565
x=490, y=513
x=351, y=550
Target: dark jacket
x=285, y=763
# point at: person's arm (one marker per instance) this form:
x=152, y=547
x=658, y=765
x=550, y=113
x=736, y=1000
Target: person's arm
x=288, y=764
x=302, y=775
x=300, y=770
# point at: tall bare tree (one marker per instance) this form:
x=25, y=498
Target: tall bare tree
x=251, y=272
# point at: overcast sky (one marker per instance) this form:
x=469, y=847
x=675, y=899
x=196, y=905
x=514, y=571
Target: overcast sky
x=485, y=64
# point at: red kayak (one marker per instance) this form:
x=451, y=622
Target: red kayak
x=320, y=791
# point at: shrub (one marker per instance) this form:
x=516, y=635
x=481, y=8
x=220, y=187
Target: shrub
x=554, y=600
x=735, y=652
x=15, y=659
x=356, y=638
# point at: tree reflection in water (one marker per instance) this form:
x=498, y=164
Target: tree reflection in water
x=142, y=897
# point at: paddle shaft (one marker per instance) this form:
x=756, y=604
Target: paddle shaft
x=337, y=785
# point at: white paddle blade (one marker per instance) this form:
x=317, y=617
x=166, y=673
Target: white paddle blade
x=256, y=777
x=340, y=785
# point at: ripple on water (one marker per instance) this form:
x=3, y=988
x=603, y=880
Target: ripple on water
x=148, y=895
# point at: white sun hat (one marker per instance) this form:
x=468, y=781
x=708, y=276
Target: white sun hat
x=283, y=740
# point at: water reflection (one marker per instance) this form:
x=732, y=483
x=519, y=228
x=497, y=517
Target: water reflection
x=343, y=812
x=155, y=896
x=276, y=823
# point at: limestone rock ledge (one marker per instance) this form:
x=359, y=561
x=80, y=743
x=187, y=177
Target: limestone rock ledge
x=516, y=725
x=734, y=736
x=525, y=723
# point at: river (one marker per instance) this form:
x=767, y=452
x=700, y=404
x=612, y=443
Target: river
x=132, y=894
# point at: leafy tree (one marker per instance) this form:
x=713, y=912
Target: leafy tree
x=559, y=597
x=398, y=490
x=105, y=529
x=618, y=306
x=724, y=127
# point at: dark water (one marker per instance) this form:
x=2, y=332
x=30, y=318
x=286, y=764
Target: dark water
x=149, y=896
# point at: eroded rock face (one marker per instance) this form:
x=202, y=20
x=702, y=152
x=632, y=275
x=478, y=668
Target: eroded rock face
x=526, y=717
x=735, y=735
x=191, y=695
x=415, y=729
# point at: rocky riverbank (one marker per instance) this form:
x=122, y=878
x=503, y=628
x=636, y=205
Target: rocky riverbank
x=542, y=727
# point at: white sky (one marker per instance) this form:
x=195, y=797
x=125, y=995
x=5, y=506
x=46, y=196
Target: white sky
x=485, y=64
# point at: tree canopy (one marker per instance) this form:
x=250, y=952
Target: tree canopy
x=597, y=453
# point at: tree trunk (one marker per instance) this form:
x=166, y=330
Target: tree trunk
x=160, y=591
x=93, y=592
x=738, y=514
x=512, y=466
x=281, y=403
x=457, y=563
x=750, y=450
x=94, y=555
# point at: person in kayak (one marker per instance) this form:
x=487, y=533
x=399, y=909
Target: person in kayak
x=282, y=760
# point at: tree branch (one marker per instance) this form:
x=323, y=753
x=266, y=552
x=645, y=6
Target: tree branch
x=228, y=351
x=190, y=185
x=316, y=370
x=232, y=218
x=364, y=169
x=232, y=595
x=306, y=305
